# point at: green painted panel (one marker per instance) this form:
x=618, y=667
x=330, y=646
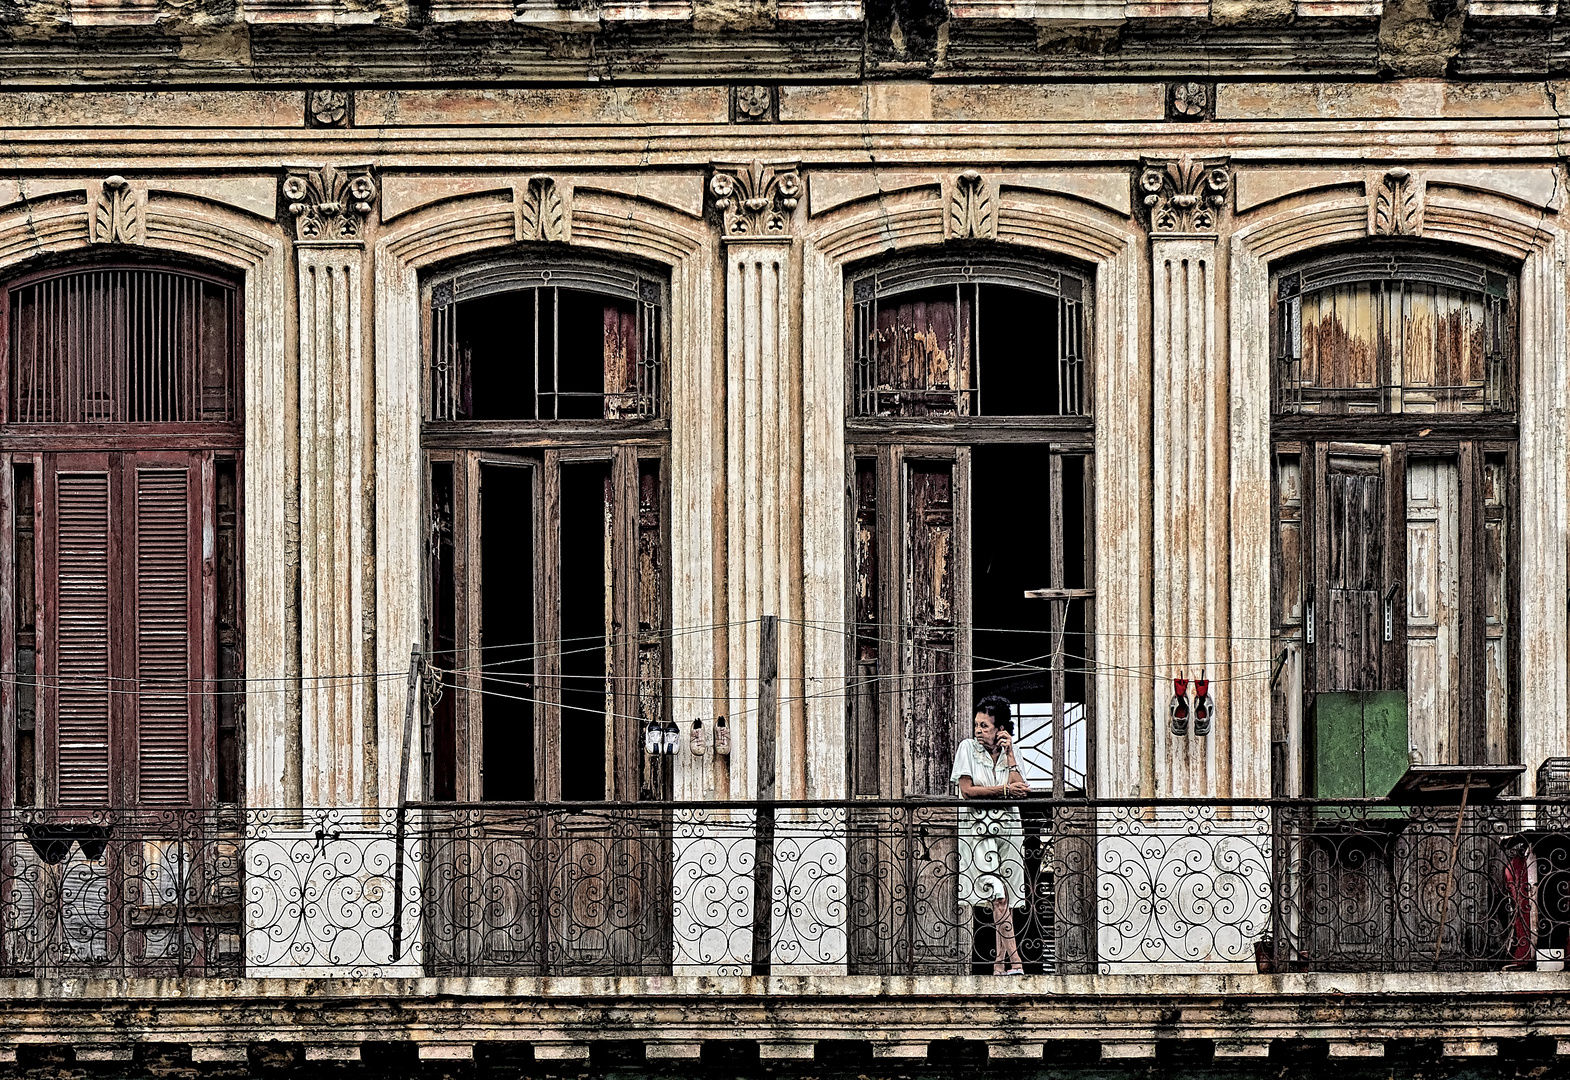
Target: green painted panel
x=1338, y=745
x=1360, y=743
x=1385, y=745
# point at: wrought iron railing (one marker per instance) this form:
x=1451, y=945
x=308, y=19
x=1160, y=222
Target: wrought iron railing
x=859, y=887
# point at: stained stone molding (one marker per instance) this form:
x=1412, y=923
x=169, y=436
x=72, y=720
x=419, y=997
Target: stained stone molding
x=756, y=200
x=328, y=108
x=542, y=211
x=1395, y=204
x=329, y=204
x=972, y=208
x=1184, y=196
x=336, y=564
x=116, y=214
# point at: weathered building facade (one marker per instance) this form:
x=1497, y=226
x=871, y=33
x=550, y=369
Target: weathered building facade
x=489, y=489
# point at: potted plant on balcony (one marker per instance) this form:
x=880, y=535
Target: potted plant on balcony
x=1265, y=955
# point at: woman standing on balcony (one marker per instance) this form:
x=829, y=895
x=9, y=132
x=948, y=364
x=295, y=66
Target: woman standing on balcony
x=992, y=857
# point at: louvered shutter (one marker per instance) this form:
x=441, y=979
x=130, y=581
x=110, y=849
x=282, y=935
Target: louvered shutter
x=79, y=645
x=125, y=656
x=164, y=595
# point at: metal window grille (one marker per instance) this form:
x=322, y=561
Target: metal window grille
x=1396, y=287
x=122, y=346
x=634, y=392
x=879, y=392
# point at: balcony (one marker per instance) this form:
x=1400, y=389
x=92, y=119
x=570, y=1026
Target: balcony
x=858, y=889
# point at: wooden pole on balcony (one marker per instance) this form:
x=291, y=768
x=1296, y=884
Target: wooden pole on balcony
x=403, y=798
x=768, y=741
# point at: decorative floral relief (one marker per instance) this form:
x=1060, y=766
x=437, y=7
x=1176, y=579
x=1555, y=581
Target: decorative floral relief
x=542, y=212
x=329, y=204
x=1186, y=195
x=1398, y=205
x=116, y=216
x=754, y=102
x=973, y=212
x=757, y=199
x=329, y=108
x=1189, y=101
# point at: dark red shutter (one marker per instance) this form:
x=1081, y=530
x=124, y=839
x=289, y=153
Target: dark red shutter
x=165, y=583
x=123, y=648
x=78, y=650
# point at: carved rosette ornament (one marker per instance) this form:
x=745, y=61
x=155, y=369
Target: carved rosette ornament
x=1190, y=101
x=116, y=215
x=973, y=211
x=1397, y=208
x=753, y=102
x=328, y=108
x=329, y=205
x=542, y=212
x=1184, y=196
x=756, y=200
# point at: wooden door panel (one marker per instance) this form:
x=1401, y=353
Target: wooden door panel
x=1353, y=573
x=930, y=648
x=1432, y=607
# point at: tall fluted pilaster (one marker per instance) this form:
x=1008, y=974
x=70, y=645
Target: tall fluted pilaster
x=337, y=571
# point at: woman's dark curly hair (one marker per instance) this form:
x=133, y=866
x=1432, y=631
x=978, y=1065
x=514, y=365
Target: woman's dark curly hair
x=998, y=708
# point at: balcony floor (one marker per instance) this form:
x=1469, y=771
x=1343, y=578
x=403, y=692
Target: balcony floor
x=1128, y=1019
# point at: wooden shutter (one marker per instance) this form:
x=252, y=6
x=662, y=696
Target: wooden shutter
x=930, y=607
x=164, y=594
x=125, y=657
x=78, y=642
x=922, y=346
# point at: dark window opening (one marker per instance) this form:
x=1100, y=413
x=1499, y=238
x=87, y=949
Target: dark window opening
x=441, y=752
x=548, y=540
x=1029, y=601
x=548, y=352
x=586, y=620
x=507, y=631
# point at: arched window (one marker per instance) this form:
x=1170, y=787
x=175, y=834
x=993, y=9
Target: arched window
x=970, y=443
x=121, y=440
x=567, y=340
x=546, y=447
x=983, y=337
x=1395, y=466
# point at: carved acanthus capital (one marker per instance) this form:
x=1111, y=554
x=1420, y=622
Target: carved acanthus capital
x=1396, y=208
x=329, y=205
x=756, y=200
x=1184, y=196
x=115, y=216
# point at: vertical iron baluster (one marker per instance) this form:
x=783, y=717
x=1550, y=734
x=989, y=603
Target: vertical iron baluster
x=555, y=353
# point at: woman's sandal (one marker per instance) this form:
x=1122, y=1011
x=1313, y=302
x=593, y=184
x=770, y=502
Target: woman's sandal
x=1015, y=971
